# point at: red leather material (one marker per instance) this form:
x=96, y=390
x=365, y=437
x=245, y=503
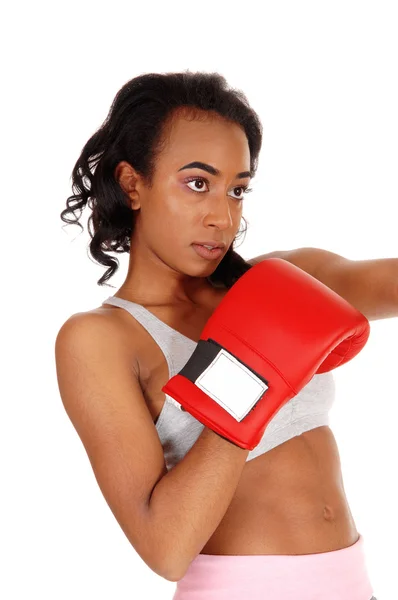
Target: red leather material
x=286, y=326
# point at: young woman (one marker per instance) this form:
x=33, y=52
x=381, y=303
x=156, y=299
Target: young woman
x=164, y=176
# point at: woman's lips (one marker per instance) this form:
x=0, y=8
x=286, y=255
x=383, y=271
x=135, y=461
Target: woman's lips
x=206, y=253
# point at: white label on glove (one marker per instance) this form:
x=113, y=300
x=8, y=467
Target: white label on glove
x=232, y=385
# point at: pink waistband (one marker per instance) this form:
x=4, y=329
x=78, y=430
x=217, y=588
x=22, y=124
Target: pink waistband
x=337, y=575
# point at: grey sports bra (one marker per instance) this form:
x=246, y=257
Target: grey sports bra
x=178, y=430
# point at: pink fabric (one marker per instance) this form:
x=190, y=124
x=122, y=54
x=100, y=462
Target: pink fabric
x=337, y=575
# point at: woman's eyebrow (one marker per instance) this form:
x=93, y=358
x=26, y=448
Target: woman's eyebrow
x=212, y=170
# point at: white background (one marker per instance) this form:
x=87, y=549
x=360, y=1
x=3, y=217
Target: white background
x=323, y=78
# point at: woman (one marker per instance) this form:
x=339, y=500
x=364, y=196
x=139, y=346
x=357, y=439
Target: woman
x=166, y=174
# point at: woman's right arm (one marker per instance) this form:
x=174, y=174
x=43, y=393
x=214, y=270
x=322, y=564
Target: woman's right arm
x=168, y=517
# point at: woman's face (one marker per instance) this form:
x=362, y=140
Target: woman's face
x=187, y=205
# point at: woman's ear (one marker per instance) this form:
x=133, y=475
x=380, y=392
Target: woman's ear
x=127, y=178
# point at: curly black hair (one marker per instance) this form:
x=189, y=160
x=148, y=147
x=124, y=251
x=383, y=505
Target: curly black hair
x=133, y=131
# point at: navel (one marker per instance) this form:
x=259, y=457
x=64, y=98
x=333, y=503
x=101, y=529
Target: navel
x=328, y=513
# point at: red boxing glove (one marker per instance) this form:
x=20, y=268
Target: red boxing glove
x=271, y=333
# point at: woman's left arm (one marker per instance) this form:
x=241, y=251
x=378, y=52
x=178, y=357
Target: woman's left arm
x=369, y=285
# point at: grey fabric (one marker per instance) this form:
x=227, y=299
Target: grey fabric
x=178, y=430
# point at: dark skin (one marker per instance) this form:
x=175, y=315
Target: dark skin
x=291, y=498
x=173, y=213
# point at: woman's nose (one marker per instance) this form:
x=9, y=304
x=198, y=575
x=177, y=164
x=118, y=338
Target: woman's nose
x=219, y=213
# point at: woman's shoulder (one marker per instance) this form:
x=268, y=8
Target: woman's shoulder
x=106, y=323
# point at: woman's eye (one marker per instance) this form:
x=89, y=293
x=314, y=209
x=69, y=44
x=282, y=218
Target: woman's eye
x=245, y=190
x=197, y=180
x=200, y=181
